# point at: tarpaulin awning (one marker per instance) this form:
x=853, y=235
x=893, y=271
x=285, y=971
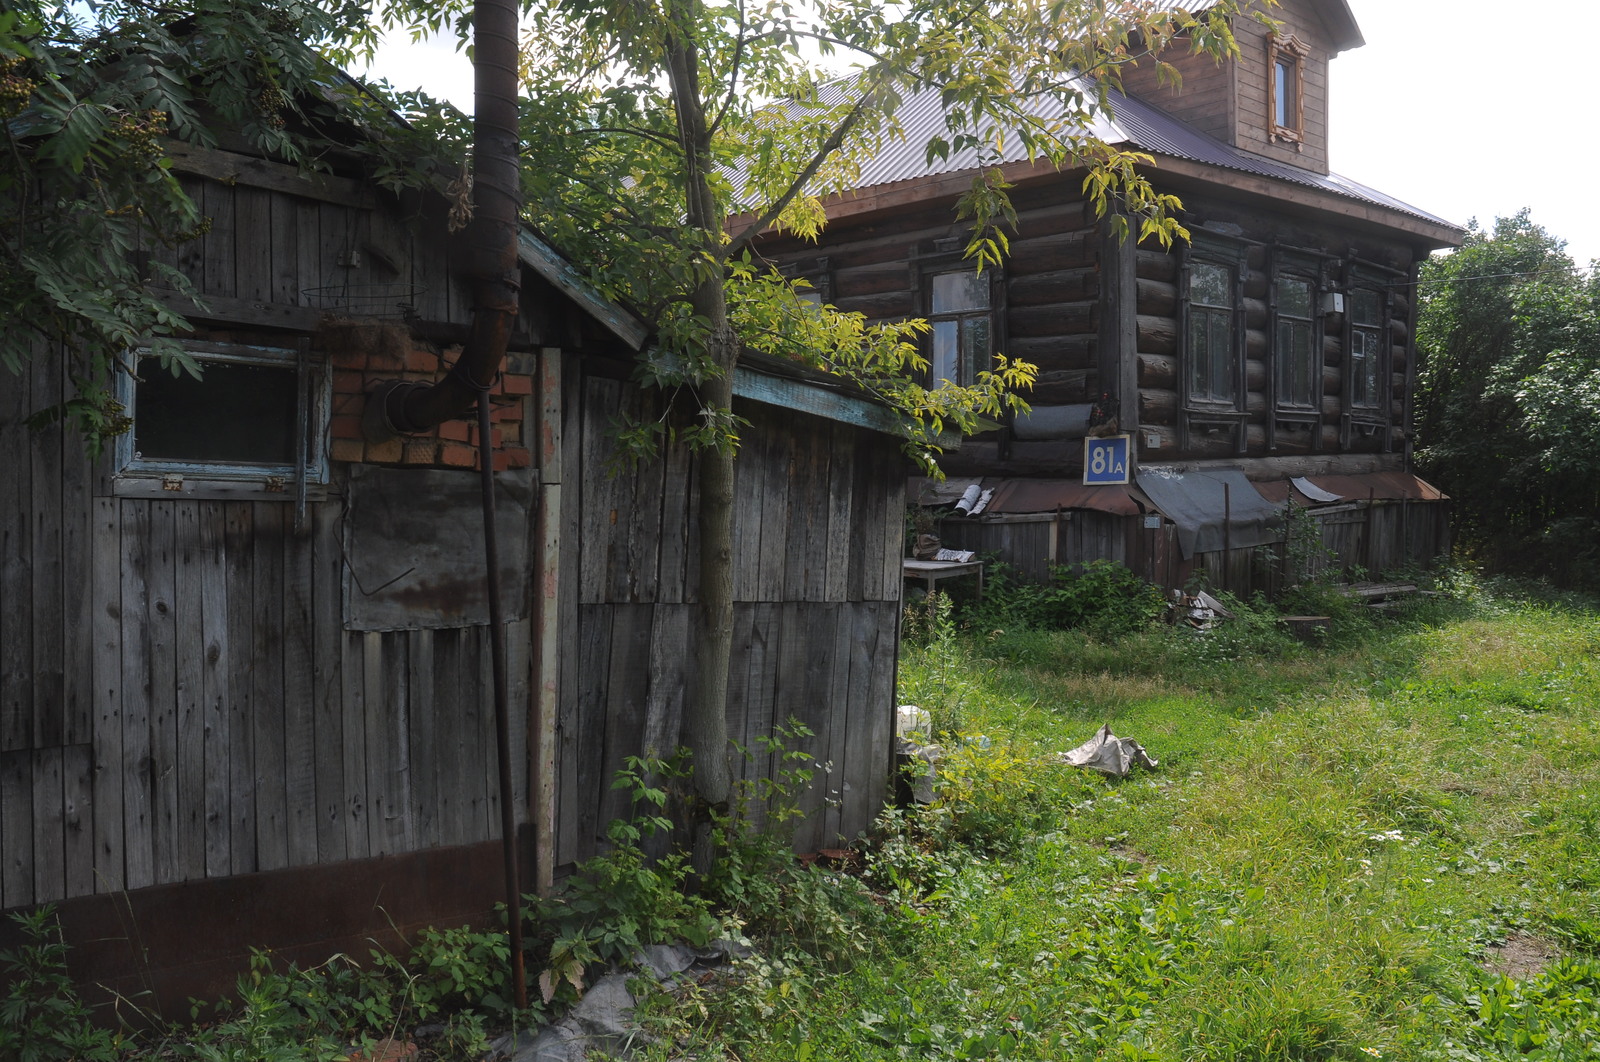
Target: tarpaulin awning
x=1213, y=509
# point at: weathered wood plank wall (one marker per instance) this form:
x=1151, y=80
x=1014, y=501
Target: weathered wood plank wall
x=817, y=587
x=179, y=699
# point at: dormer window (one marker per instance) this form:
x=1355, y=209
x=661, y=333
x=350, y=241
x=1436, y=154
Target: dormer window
x=1286, y=62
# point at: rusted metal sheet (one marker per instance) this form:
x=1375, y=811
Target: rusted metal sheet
x=1048, y=495
x=414, y=548
x=1379, y=486
x=1013, y=496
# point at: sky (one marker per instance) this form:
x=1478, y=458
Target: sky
x=1463, y=108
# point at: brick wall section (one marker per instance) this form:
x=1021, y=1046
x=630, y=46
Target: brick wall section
x=453, y=444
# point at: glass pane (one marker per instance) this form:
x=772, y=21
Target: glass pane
x=953, y=292
x=1222, y=375
x=1211, y=355
x=1298, y=374
x=946, y=335
x=1210, y=285
x=1294, y=297
x=1364, y=368
x=975, y=350
x=1283, y=72
x=1364, y=307
x=234, y=414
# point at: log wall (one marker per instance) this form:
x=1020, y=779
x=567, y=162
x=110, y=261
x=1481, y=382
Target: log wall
x=1159, y=354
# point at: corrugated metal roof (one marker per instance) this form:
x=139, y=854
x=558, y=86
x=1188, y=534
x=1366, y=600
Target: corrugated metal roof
x=1131, y=123
x=1338, y=17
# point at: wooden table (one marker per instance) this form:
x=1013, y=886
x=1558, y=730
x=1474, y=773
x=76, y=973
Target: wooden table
x=930, y=572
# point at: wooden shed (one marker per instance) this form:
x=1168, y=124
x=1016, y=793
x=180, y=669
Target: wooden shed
x=244, y=693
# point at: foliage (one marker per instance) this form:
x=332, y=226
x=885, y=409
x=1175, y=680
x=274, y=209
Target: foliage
x=621, y=899
x=1509, y=395
x=1103, y=597
x=654, y=124
x=89, y=206
x=42, y=1017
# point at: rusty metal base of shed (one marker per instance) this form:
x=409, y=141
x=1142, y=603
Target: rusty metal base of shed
x=142, y=955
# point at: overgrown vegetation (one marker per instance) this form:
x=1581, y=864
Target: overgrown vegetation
x=1338, y=844
x=1383, y=846
x=1508, y=399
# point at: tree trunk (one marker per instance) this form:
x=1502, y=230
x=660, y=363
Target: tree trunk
x=706, y=714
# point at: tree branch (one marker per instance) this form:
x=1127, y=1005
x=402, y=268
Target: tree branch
x=829, y=146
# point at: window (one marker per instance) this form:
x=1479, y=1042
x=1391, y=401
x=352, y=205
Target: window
x=255, y=418
x=962, y=336
x=1297, y=354
x=1286, y=59
x=1211, y=341
x=1366, y=349
x=1212, y=376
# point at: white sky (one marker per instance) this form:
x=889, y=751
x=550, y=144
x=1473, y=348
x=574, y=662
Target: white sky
x=1464, y=108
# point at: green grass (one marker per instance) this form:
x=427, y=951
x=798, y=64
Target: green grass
x=1334, y=838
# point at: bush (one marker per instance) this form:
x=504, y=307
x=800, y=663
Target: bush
x=42, y=1018
x=1102, y=597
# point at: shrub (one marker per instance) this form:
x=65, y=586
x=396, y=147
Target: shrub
x=1102, y=597
x=42, y=1017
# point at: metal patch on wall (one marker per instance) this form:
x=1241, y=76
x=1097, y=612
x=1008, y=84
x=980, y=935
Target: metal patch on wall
x=414, y=548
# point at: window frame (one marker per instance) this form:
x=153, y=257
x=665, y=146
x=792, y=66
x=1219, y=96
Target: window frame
x=944, y=260
x=1200, y=414
x=139, y=476
x=1289, y=414
x=1376, y=416
x=1292, y=53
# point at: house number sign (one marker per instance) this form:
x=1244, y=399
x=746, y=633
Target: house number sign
x=1105, y=461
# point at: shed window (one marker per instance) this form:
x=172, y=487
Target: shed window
x=1366, y=337
x=1213, y=376
x=1297, y=353
x=240, y=420
x=959, y=313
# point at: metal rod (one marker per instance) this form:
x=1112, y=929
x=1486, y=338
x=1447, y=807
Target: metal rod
x=502, y=707
x=302, y=417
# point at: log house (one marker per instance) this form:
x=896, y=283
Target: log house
x=1275, y=343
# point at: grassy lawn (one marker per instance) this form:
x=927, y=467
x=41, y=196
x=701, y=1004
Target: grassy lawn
x=1387, y=846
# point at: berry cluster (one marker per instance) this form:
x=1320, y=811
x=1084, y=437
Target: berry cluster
x=15, y=88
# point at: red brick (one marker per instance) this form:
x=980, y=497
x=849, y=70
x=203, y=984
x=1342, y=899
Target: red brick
x=457, y=455
x=344, y=427
x=506, y=411
x=517, y=384
x=386, y=453
x=349, y=404
x=347, y=450
x=455, y=431
x=347, y=382
x=345, y=358
x=515, y=457
x=422, y=361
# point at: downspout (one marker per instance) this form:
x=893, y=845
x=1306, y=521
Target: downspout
x=402, y=407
